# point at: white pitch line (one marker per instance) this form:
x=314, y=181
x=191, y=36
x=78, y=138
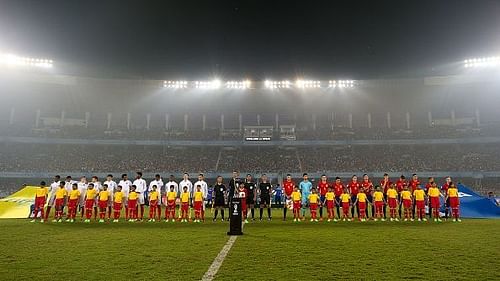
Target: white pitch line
x=216, y=264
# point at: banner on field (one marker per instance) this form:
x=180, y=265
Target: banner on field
x=18, y=205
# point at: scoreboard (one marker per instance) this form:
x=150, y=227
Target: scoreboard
x=258, y=133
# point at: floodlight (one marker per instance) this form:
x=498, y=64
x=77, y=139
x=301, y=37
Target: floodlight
x=482, y=62
x=238, y=84
x=308, y=84
x=177, y=84
x=14, y=60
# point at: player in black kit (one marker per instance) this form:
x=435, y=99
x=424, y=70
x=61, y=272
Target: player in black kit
x=219, y=200
x=265, y=196
x=251, y=194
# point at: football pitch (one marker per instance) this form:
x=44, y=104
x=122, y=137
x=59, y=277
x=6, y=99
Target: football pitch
x=273, y=250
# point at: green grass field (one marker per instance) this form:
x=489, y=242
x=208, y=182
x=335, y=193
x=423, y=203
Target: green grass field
x=274, y=250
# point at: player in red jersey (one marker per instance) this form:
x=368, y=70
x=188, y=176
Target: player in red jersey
x=444, y=191
x=413, y=184
x=368, y=188
x=338, y=189
x=288, y=186
x=385, y=183
x=323, y=189
x=354, y=186
x=400, y=186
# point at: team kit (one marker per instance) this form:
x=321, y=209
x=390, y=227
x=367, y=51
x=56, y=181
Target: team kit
x=403, y=200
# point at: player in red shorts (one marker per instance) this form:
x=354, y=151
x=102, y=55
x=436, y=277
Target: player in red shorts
x=74, y=196
x=452, y=195
x=330, y=204
x=361, y=199
x=61, y=195
x=313, y=204
x=413, y=184
x=288, y=187
x=296, y=198
x=406, y=202
x=40, y=199
x=419, y=195
x=184, y=204
x=444, y=191
x=392, y=201
x=345, y=198
x=434, y=195
x=117, y=203
x=170, y=210
x=198, y=203
x=131, y=214
x=243, y=198
x=153, y=197
x=103, y=202
x=379, y=202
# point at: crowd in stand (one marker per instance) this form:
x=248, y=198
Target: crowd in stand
x=382, y=158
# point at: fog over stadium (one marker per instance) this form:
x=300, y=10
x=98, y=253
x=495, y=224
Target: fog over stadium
x=208, y=99
x=249, y=140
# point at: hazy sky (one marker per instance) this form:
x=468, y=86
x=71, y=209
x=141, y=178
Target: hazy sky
x=251, y=39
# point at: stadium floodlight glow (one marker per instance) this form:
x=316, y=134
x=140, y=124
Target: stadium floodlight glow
x=179, y=84
x=13, y=60
x=341, y=83
x=308, y=84
x=482, y=62
x=214, y=84
x=277, y=84
x=238, y=84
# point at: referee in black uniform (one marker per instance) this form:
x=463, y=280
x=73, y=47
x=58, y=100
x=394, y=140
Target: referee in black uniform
x=251, y=194
x=219, y=193
x=233, y=185
x=265, y=196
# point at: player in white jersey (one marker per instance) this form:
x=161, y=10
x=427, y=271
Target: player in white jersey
x=171, y=183
x=186, y=182
x=52, y=194
x=159, y=184
x=97, y=187
x=141, y=187
x=204, y=189
x=68, y=185
x=125, y=183
x=82, y=187
x=111, y=189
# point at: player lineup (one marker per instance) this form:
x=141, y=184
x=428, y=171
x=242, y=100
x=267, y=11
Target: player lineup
x=172, y=201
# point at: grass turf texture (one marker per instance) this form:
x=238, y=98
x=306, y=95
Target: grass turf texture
x=274, y=250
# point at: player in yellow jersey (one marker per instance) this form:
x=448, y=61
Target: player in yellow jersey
x=406, y=202
x=452, y=194
x=184, y=204
x=40, y=199
x=361, y=199
x=74, y=197
x=330, y=204
x=434, y=194
x=198, y=203
x=419, y=195
x=153, y=197
x=296, y=198
x=345, y=198
x=61, y=195
x=392, y=201
x=313, y=204
x=90, y=196
x=131, y=214
x=117, y=203
x=170, y=210
x=103, y=202
x=378, y=200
